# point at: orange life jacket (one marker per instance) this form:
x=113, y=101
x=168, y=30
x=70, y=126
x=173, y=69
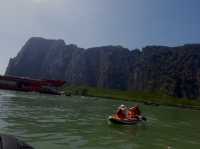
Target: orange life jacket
x=121, y=114
x=135, y=111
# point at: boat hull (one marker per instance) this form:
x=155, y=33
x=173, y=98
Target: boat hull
x=124, y=122
x=30, y=85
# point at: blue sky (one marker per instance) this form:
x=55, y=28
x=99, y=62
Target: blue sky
x=130, y=23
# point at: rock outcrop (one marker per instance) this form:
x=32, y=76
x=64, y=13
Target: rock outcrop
x=173, y=70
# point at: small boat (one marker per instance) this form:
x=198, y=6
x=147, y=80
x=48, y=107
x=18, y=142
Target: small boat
x=127, y=116
x=131, y=121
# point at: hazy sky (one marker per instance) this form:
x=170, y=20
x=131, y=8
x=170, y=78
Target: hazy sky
x=87, y=23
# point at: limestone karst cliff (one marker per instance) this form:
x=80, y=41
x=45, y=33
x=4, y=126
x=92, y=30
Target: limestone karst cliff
x=173, y=70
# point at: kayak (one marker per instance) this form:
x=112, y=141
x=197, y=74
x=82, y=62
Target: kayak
x=131, y=121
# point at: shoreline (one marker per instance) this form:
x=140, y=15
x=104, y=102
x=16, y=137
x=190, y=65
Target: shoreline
x=152, y=103
x=154, y=99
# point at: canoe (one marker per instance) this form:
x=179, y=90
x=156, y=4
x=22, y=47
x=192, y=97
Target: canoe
x=116, y=120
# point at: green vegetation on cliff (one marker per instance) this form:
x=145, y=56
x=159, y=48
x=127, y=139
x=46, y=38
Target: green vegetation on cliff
x=151, y=98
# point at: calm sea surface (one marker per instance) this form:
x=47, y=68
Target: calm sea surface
x=53, y=122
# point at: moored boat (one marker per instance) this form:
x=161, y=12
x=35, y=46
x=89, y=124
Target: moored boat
x=30, y=85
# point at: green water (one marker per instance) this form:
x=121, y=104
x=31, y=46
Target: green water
x=53, y=122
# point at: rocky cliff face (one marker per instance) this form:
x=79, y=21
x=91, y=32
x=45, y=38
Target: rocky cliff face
x=174, y=70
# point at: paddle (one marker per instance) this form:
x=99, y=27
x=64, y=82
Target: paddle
x=142, y=118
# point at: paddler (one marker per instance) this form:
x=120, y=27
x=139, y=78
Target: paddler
x=122, y=112
x=135, y=110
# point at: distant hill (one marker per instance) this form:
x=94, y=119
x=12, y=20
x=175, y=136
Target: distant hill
x=172, y=70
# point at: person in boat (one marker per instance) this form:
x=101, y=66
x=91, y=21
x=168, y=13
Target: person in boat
x=134, y=112
x=122, y=112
